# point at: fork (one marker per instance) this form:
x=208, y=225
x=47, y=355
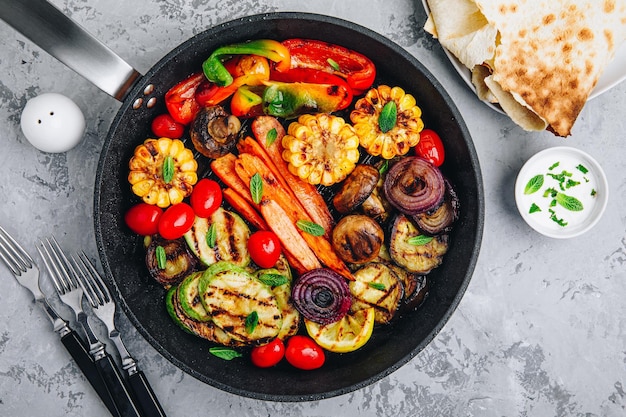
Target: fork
x=26, y=273
x=64, y=278
x=103, y=306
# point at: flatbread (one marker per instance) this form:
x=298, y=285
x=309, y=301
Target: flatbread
x=549, y=54
x=465, y=32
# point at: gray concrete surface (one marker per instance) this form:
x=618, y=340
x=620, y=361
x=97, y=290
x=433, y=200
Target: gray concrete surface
x=541, y=330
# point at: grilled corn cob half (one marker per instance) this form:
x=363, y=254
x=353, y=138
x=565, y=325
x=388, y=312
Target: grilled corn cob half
x=404, y=134
x=321, y=148
x=162, y=171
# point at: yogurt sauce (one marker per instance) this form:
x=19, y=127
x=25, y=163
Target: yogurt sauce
x=561, y=192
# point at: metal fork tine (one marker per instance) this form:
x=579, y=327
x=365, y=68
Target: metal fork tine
x=45, y=256
x=55, y=266
x=84, y=281
x=13, y=254
x=100, y=288
x=63, y=264
x=103, y=288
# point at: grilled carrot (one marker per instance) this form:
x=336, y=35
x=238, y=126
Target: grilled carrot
x=247, y=166
x=307, y=194
x=224, y=168
x=291, y=240
x=244, y=208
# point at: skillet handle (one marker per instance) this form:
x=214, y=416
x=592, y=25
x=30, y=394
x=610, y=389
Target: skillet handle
x=71, y=44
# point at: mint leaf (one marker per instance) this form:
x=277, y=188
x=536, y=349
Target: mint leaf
x=419, y=240
x=271, y=136
x=568, y=202
x=534, y=184
x=224, y=353
x=388, y=117
x=211, y=236
x=161, y=257
x=251, y=322
x=256, y=188
x=168, y=169
x=310, y=227
x=333, y=64
x=534, y=209
x=273, y=280
x=377, y=285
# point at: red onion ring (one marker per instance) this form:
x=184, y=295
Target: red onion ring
x=321, y=295
x=414, y=185
x=440, y=219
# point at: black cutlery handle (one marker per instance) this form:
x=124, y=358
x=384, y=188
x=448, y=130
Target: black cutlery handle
x=120, y=394
x=145, y=396
x=80, y=354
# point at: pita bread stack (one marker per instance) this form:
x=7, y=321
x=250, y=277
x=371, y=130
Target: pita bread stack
x=538, y=59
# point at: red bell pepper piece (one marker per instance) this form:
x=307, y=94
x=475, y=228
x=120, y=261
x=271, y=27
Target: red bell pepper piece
x=357, y=69
x=180, y=100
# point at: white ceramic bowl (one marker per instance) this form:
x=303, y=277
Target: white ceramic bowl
x=568, y=195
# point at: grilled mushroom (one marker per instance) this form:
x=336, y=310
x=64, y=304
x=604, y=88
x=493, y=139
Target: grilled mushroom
x=357, y=238
x=356, y=188
x=214, y=132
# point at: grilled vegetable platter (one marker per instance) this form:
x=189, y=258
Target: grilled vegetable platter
x=272, y=224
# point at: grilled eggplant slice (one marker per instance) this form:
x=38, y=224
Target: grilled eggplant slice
x=415, y=254
x=179, y=261
x=357, y=238
x=377, y=285
x=419, y=285
x=241, y=304
x=230, y=238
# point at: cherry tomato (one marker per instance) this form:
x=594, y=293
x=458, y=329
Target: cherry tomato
x=143, y=219
x=206, y=197
x=176, y=220
x=303, y=353
x=269, y=354
x=264, y=248
x=430, y=147
x=164, y=126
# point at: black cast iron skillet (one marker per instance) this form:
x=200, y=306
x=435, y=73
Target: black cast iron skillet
x=142, y=300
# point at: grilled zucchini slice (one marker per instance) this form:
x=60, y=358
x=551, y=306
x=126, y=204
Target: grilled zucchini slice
x=170, y=301
x=412, y=253
x=206, y=330
x=229, y=240
x=233, y=297
x=189, y=298
x=376, y=285
x=291, y=316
